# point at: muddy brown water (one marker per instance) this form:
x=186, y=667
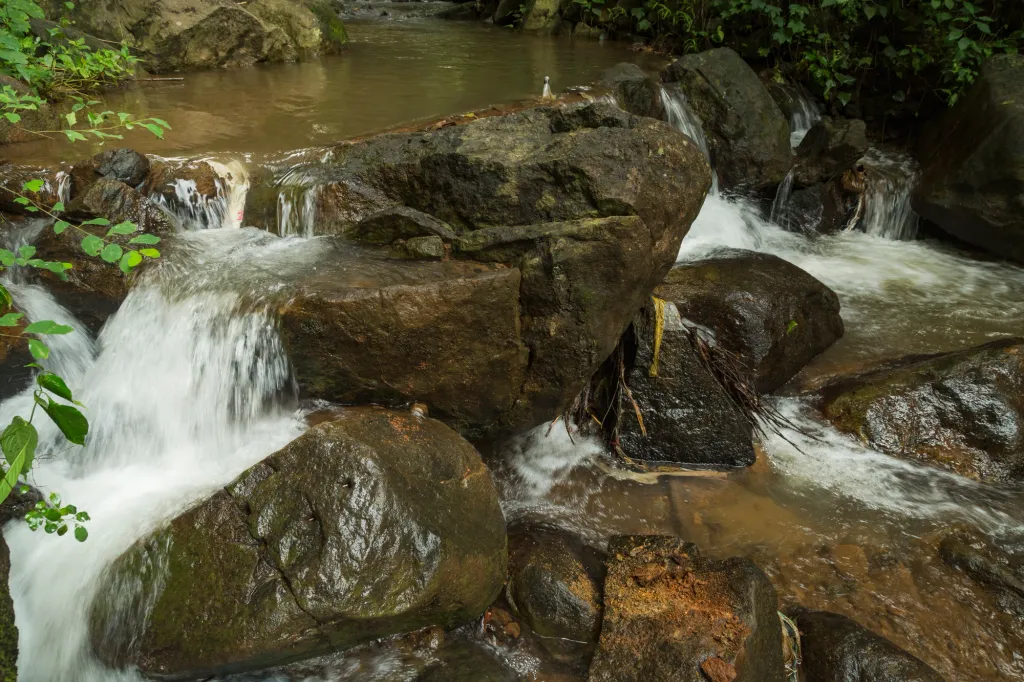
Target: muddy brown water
x=392, y=73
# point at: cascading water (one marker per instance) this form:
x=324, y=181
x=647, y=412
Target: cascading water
x=183, y=394
x=198, y=212
x=804, y=115
x=887, y=209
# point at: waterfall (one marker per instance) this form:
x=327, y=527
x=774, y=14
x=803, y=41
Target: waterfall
x=782, y=197
x=297, y=200
x=804, y=115
x=681, y=117
x=183, y=394
x=890, y=180
x=196, y=211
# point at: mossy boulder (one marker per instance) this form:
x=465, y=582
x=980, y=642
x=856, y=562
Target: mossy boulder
x=375, y=523
x=673, y=615
x=748, y=137
x=312, y=27
x=961, y=411
x=774, y=316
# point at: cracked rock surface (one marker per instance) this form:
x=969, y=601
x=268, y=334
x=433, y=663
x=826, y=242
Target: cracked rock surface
x=377, y=522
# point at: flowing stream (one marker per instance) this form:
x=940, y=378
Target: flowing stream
x=188, y=384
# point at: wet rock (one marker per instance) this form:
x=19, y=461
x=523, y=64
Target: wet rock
x=124, y=165
x=8, y=628
x=748, y=137
x=467, y=662
x=837, y=649
x=688, y=417
x=831, y=147
x=972, y=163
x=425, y=247
x=961, y=411
x=634, y=90
x=770, y=313
x=671, y=614
x=14, y=355
x=550, y=587
x=446, y=334
x=94, y=289
x=792, y=99
x=828, y=207
x=12, y=184
x=376, y=523
x=399, y=222
x=586, y=205
x=19, y=503
x=996, y=571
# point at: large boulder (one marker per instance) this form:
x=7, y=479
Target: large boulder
x=122, y=164
x=8, y=629
x=177, y=35
x=377, y=522
x=551, y=587
x=634, y=90
x=665, y=403
x=748, y=137
x=962, y=411
x=972, y=160
x=572, y=216
x=673, y=615
x=767, y=311
x=831, y=147
x=837, y=649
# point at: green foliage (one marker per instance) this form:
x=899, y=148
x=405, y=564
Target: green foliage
x=55, y=517
x=59, y=64
x=930, y=47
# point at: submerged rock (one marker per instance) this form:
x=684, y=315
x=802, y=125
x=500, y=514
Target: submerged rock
x=837, y=649
x=378, y=522
x=962, y=411
x=634, y=90
x=972, y=163
x=994, y=570
x=748, y=137
x=770, y=313
x=550, y=586
x=685, y=414
x=672, y=615
x=8, y=628
x=467, y=662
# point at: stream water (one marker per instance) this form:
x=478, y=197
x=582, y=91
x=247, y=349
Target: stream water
x=188, y=384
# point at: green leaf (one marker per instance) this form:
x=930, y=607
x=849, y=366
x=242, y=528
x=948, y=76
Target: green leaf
x=74, y=136
x=5, y=296
x=791, y=326
x=126, y=227
x=48, y=327
x=54, y=384
x=72, y=118
x=147, y=239
x=159, y=132
x=92, y=245
x=19, y=440
x=161, y=122
x=60, y=226
x=129, y=260
x=10, y=319
x=69, y=420
x=27, y=251
x=59, y=206
x=870, y=11
x=38, y=349
x=6, y=258
x=112, y=253
x=24, y=201
x=103, y=222
x=33, y=185
x=81, y=534
x=150, y=253
x=12, y=117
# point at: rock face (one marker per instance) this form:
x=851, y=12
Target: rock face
x=770, y=313
x=672, y=615
x=837, y=649
x=8, y=629
x=572, y=216
x=634, y=90
x=687, y=415
x=550, y=587
x=177, y=35
x=961, y=411
x=748, y=137
x=972, y=158
x=994, y=570
x=376, y=523
x=123, y=165
x=831, y=147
